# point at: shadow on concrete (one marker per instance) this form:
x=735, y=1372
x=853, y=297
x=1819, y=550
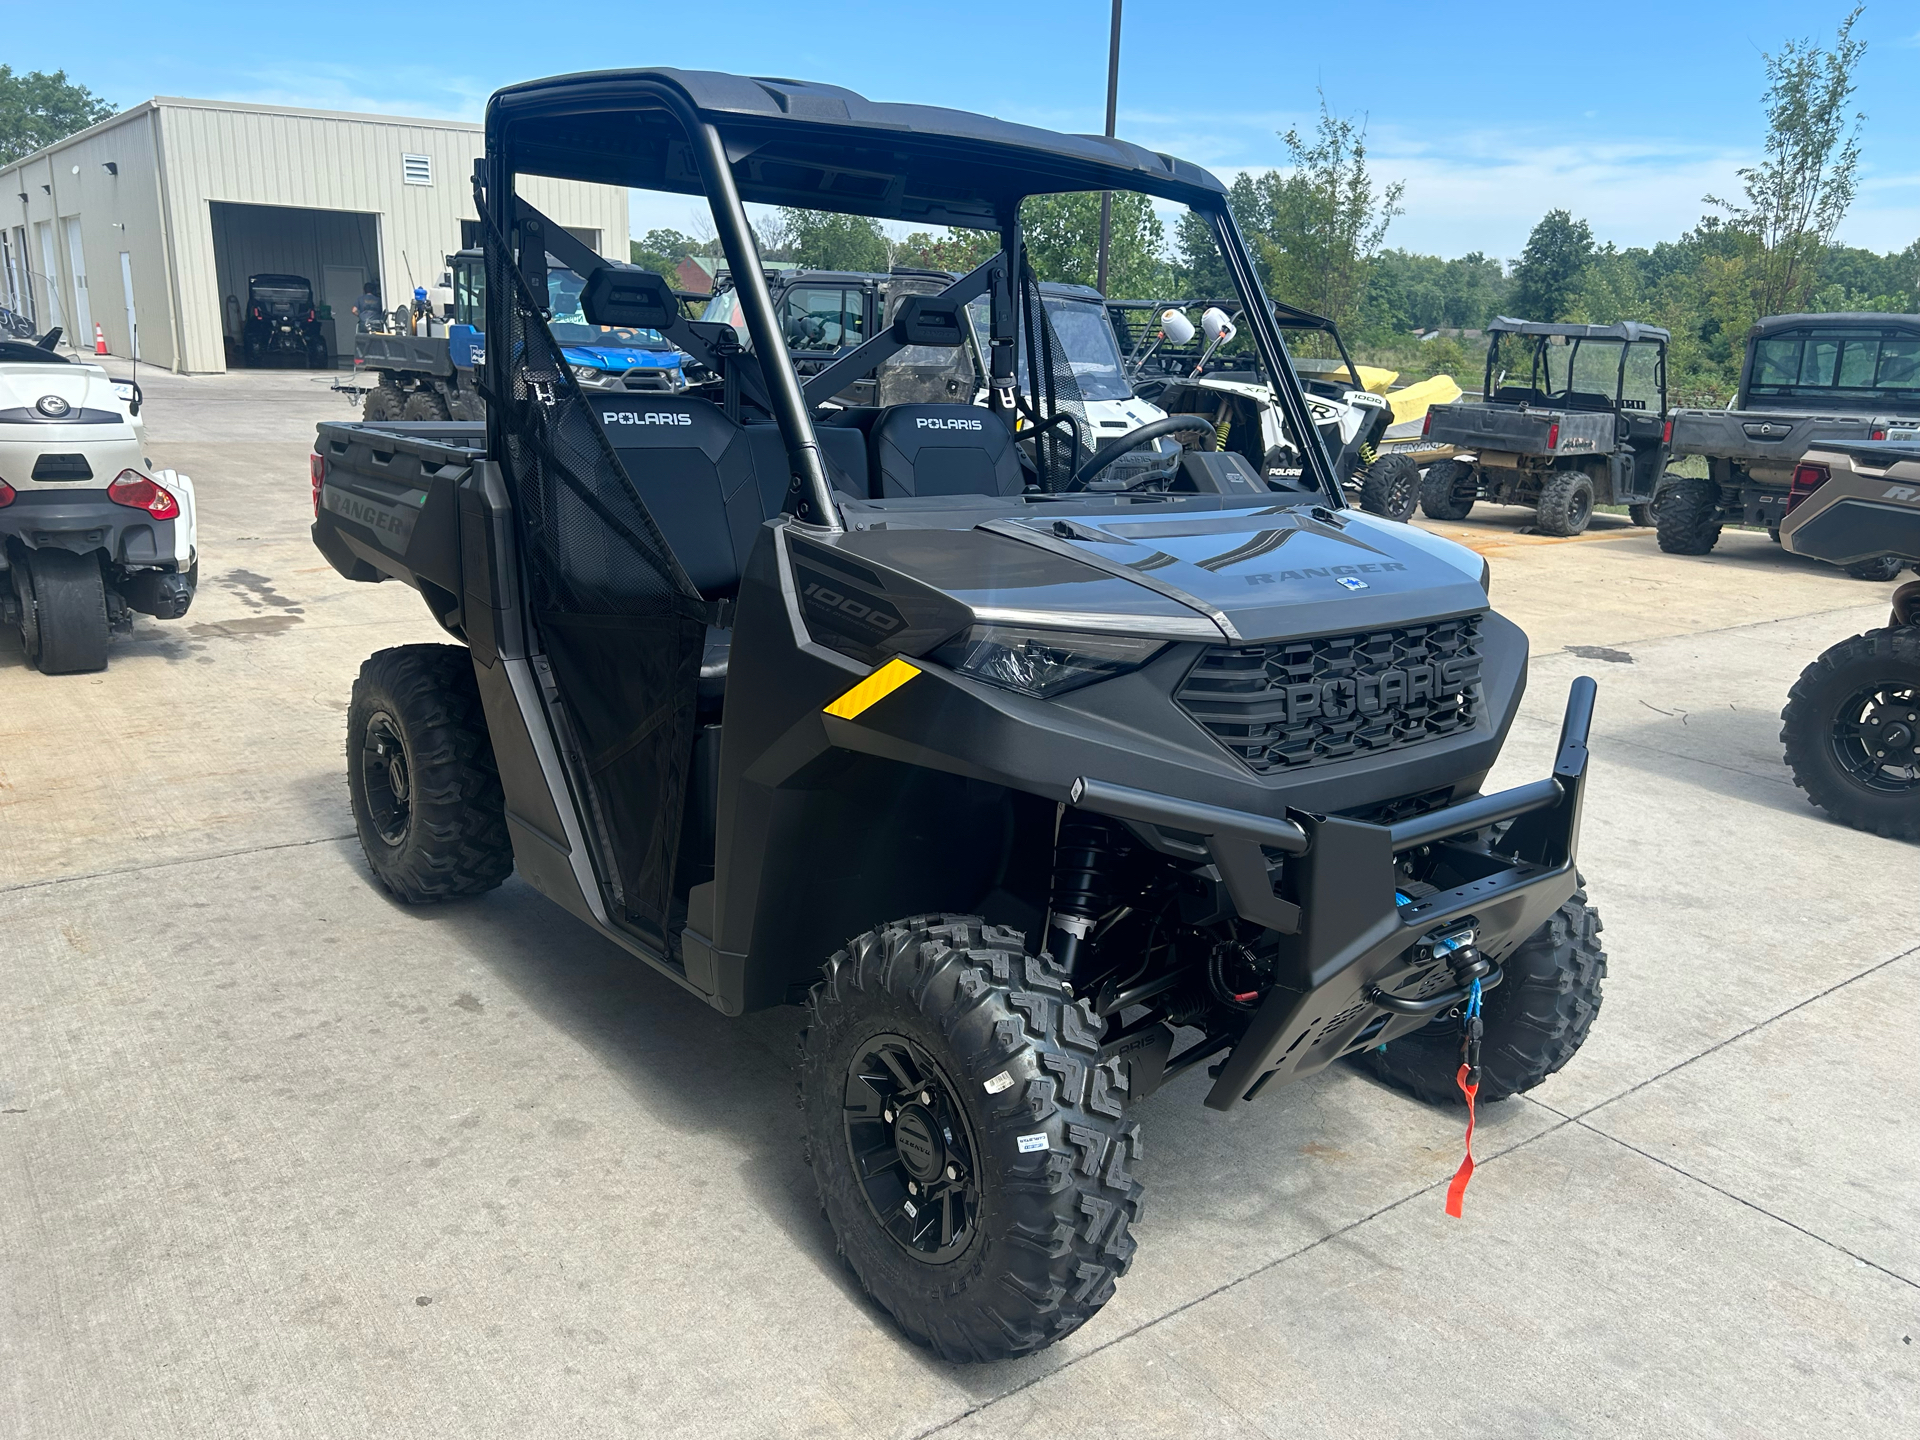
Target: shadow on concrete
x=694, y=1069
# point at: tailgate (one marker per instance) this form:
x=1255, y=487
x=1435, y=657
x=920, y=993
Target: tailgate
x=388, y=504
x=1489, y=427
x=1759, y=435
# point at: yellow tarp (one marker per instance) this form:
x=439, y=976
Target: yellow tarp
x=1373, y=378
x=1413, y=401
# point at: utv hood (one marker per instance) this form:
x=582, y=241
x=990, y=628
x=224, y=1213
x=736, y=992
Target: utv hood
x=1257, y=574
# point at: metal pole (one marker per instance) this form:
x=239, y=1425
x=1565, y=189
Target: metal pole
x=1113, y=101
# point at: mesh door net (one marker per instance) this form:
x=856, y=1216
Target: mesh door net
x=620, y=622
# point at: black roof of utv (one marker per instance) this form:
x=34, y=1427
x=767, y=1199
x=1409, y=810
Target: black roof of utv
x=808, y=145
x=1844, y=320
x=1625, y=330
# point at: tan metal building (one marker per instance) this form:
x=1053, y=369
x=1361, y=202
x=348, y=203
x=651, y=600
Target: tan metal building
x=149, y=223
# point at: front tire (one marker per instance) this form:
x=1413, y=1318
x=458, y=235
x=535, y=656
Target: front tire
x=421, y=777
x=1447, y=491
x=1535, y=1019
x=1017, y=1223
x=1847, y=726
x=1566, y=504
x=1687, y=514
x=1391, y=487
x=67, y=631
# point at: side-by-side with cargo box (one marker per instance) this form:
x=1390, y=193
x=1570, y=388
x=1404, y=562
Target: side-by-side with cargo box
x=1154, y=778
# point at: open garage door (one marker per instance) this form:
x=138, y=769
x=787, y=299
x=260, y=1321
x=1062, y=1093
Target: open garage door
x=333, y=250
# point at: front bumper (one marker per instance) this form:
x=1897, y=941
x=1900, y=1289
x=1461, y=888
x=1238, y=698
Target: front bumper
x=1344, y=930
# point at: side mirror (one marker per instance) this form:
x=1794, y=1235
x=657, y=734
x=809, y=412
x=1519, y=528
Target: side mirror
x=1219, y=329
x=1175, y=325
x=628, y=300
x=928, y=320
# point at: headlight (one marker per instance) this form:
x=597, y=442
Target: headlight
x=586, y=374
x=1044, y=662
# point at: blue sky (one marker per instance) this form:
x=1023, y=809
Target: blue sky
x=1492, y=113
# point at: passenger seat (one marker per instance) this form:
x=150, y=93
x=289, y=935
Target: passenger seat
x=943, y=450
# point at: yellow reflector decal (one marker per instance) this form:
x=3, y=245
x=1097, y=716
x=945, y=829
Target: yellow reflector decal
x=875, y=688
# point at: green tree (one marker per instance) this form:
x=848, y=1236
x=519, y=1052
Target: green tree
x=823, y=240
x=1550, y=269
x=37, y=109
x=1798, y=195
x=957, y=250
x=1325, y=219
x=1063, y=239
x=662, y=250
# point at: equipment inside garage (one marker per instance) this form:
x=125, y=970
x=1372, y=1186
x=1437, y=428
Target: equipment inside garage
x=338, y=251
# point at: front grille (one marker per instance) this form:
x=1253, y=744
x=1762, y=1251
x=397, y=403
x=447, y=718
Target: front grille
x=1295, y=703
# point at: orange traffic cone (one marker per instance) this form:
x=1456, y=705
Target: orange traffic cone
x=99, y=339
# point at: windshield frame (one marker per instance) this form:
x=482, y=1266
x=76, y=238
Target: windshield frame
x=527, y=135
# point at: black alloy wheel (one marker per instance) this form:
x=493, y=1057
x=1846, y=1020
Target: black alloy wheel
x=910, y=1144
x=1852, y=732
x=386, y=779
x=1876, y=740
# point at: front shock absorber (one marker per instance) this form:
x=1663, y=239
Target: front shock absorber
x=1085, y=853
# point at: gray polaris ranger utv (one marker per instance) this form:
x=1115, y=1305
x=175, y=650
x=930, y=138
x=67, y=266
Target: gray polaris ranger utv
x=1852, y=722
x=1806, y=381
x=1574, y=416
x=1108, y=782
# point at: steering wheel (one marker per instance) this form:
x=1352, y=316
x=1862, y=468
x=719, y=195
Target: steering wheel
x=1134, y=439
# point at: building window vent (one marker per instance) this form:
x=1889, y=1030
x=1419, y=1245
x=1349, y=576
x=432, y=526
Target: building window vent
x=416, y=169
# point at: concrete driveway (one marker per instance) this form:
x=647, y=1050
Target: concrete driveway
x=279, y=1157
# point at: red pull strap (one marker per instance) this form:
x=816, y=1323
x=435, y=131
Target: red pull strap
x=1457, y=1190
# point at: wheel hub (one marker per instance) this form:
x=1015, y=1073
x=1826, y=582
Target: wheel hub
x=386, y=781
x=911, y=1148
x=918, y=1141
x=1876, y=738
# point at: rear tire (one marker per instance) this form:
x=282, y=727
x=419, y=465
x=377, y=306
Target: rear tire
x=1391, y=487
x=384, y=402
x=1535, y=1019
x=1032, y=1121
x=1566, y=504
x=1686, y=516
x=1886, y=567
x=1446, y=492
x=1875, y=675
x=67, y=632
x=421, y=776
x=424, y=404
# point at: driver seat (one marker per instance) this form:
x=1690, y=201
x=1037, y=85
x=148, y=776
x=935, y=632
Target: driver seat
x=943, y=450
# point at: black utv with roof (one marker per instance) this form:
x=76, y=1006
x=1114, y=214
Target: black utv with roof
x=1807, y=381
x=1039, y=791
x=1574, y=416
x=283, y=320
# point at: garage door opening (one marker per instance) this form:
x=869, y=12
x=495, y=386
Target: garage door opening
x=337, y=252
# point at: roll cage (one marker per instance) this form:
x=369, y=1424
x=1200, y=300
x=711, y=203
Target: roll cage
x=1538, y=338
x=734, y=139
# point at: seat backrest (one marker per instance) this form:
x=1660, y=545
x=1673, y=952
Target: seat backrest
x=943, y=450
x=695, y=473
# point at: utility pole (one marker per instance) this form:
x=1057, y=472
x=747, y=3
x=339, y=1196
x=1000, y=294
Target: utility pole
x=1113, y=102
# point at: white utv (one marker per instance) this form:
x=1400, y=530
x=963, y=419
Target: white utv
x=90, y=532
